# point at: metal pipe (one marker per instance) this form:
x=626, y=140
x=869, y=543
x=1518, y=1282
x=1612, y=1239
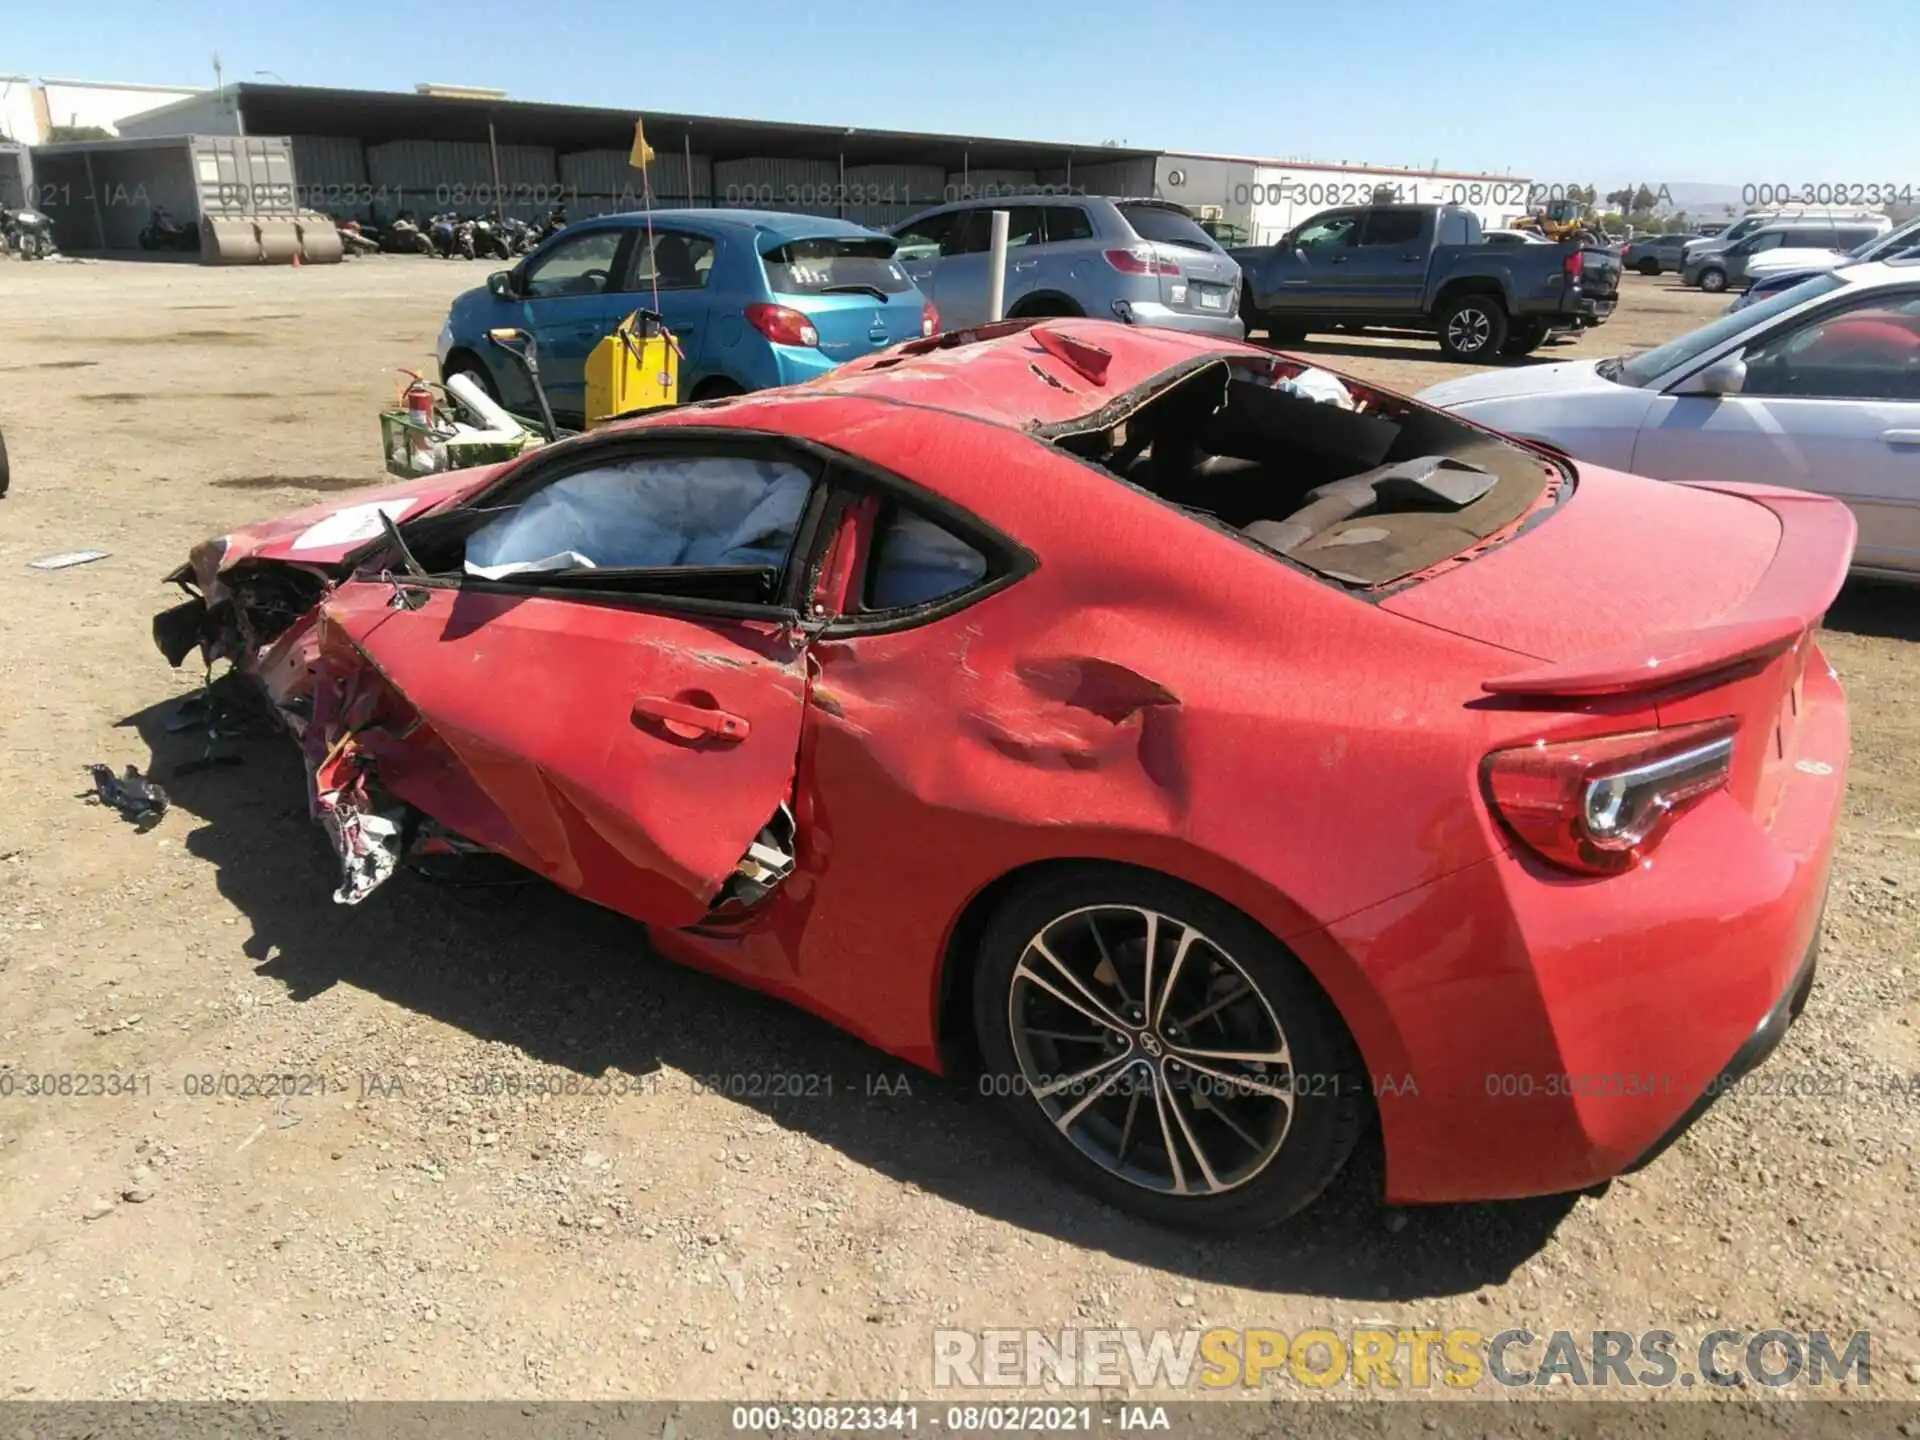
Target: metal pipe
x=493, y=154
x=93, y=194
x=997, y=269
x=686, y=156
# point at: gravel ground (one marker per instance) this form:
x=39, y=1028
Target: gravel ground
x=504, y=1178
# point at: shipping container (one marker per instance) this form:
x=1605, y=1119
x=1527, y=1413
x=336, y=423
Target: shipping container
x=100, y=194
x=16, y=178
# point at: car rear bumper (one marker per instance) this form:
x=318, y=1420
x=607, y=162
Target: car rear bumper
x=1564, y=1031
x=1152, y=312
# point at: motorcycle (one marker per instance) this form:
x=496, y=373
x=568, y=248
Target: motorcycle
x=515, y=235
x=444, y=231
x=26, y=233
x=490, y=239
x=354, y=240
x=555, y=222
x=163, y=232
x=404, y=237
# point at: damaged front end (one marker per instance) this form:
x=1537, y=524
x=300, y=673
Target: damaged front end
x=263, y=618
x=390, y=786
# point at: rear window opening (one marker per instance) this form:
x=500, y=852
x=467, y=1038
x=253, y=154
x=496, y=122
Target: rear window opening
x=1350, y=482
x=1166, y=225
x=836, y=265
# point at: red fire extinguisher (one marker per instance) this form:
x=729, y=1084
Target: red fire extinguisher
x=418, y=400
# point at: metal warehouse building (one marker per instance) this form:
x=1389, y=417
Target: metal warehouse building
x=374, y=154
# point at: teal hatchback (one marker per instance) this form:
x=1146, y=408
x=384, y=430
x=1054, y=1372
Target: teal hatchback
x=754, y=298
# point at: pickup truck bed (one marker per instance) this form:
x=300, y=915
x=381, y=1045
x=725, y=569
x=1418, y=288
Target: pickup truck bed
x=1421, y=267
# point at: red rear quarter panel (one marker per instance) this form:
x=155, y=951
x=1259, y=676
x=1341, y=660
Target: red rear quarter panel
x=1154, y=692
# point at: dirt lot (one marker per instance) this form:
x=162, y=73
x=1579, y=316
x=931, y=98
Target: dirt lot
x=402, y=1236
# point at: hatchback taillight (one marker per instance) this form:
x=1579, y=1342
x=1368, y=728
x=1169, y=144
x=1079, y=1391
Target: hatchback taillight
x=1598, y=806
x=1140, y=261
x=929, y=319
x=782, y=325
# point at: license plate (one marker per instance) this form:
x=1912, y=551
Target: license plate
x=1212, y=299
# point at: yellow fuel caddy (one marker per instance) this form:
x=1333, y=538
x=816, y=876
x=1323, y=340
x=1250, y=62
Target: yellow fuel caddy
x=635, y=368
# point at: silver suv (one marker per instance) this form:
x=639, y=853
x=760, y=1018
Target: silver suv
x=1143, y=261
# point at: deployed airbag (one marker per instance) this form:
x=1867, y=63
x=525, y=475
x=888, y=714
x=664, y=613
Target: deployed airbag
x=651, y=512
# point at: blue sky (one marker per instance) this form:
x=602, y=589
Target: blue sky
x=1580, y=91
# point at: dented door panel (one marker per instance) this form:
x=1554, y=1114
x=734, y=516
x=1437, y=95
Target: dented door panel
x=631, y=757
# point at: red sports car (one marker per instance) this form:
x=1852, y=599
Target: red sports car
x=1214, y=756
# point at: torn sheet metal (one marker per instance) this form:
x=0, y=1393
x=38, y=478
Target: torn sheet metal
x=66, y=560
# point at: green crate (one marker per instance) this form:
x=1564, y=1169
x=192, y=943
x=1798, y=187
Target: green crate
x=400, y=432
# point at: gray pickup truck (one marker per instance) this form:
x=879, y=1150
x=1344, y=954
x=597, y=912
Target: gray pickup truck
x=1423, y=267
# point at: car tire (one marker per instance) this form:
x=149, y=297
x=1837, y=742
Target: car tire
x=714, y=387
x=6, y=469
x=480, y=375
x=1050, y=308
x=1473, y=328
x=1293, y=1123
x=1713, y=280
x=1648, y=267
x=1524, y=340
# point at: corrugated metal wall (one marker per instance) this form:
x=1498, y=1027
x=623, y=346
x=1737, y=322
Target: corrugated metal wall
x=16, y=176
x=62, y=191
x=332, y=171
x=129, y=184
x=426, y=176
x=1132, y=178
x=805, y=187
x=884, y=195
x=239, y=176
x=599, y=182
x=976, y=184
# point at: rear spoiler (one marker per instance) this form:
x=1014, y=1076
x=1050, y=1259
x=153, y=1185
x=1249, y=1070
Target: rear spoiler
x=1807, y=571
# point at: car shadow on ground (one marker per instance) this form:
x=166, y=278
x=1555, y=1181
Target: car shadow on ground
x=1880, y=609
x=1393, y=347
x=519, y=963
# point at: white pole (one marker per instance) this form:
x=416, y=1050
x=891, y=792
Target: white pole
x=997, y=269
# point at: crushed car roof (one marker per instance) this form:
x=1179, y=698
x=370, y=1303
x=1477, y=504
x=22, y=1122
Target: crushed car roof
x=1036, y=376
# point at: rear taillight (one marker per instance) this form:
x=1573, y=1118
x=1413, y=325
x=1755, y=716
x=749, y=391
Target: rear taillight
x=1575, y=264
x=1598, y=806
x=782, y=325
x=1140, y=261
x=929, y=319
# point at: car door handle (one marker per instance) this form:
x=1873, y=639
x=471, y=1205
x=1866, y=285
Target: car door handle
x=1901, y=437
x=682, y=720
x=1025, y=264
x=1410, y=256
x=1338, y=260
x=588, y=332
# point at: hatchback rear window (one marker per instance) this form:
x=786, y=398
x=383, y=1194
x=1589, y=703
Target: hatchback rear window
x=1168, y=227
x=836, y=265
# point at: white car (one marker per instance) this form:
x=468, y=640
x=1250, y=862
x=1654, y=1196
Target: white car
x=1815, y=388
x=1513, y=237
